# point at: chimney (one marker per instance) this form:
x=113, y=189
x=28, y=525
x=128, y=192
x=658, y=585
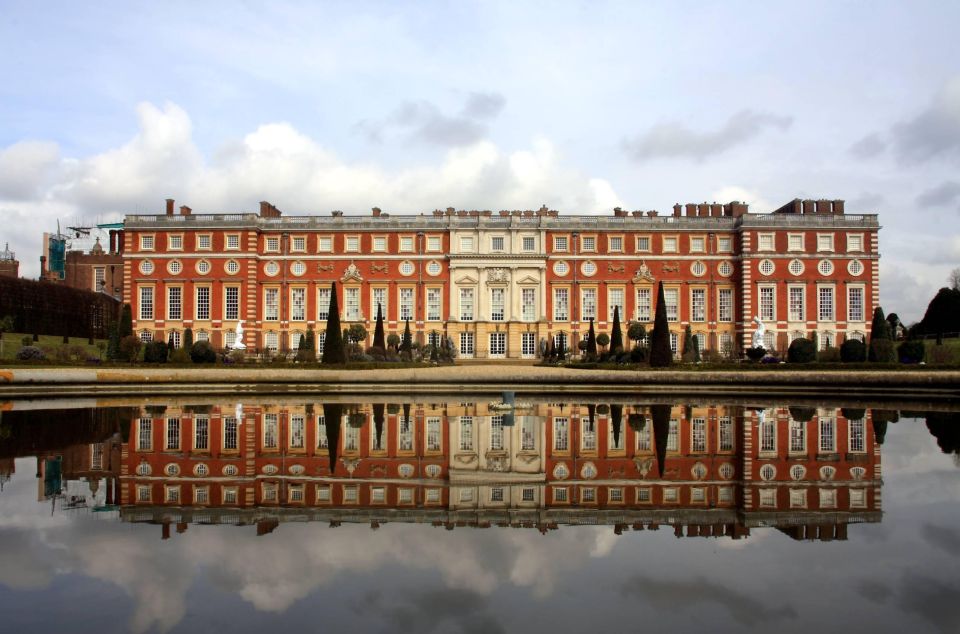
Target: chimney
x=703, y=210
x=716, y=210
x=823, y=206
x=691, y=210
x=169, y=206
x=676, y=210
x=336, y=214
x=652, y=213
x=113, y=240
x=738, y=208
x=184, y=210
x=637, y=214
x=808, y=206
x=838, y=206
x=376, y=212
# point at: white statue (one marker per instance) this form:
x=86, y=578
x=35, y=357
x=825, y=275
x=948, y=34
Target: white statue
x=238, y=342
x=239, y=413
x=758, y=333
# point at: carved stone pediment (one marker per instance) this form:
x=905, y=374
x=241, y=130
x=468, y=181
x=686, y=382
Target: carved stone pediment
x=498, y=275
x=527, y=457
x=352, y=273
x=528, y=279
x=465, y=458
x=466, y=280
x=643, y=274
x=644, y=465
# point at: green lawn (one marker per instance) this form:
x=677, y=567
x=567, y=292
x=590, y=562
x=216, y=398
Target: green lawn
x=11, y=343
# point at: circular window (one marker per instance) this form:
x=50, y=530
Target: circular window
x=271, y=268
x=797, y=472
x=270, y=469
x=172, y=469
x=768, y=472
x=766, y=267
x=406, y=268
x=560, y=472
x=855, y=267
x=561, y=268
x=201, y=470
x=827, y=473
x=589, y=471
x=405, y=470
x=796, y=267
x=726, y=471
x=232, y=267
x=203, y=267
x=144, y=469
x=174, y=266
x=725, y=269
x=857, y=473
x=230, y=470
x=698, y=268
x=296, y=469
x=434, y=268
x=699, y=471
x=825, y=267
x=433, y=470
x=298, y=268
x=588, y=268
x=146, y=267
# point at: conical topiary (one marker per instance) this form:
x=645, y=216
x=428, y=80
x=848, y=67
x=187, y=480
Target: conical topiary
x=660, y=353
x=333, y=352
x=591, y=341
x=616, y=334
x=378, y=338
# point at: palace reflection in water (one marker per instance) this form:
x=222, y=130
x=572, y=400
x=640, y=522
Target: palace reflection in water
x=715, y=471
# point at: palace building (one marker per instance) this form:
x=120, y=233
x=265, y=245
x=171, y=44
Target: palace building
x=500, y=284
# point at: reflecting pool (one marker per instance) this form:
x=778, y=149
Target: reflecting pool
x=547, y=512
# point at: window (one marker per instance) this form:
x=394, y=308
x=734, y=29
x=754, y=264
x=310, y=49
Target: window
x=231, y=303
x=588, y=434
x=795, y=242
x=795, y=308
x=854, y=242
x=825, y=303
x=765, y=242
x=669, y=244
x=297, y=432
x=323, y=304
x=350, y=494
x=767, y=303
x=351, y=244
x=466, y=304
x=433, y=433
x=725, y=244
x=325, y=243
x=232, y=267
x=171, y=494
x=204, y=241
x=644, y=304
x=145, y=435
x=406, y=243
x=615, y=244
x=233, y=241
x=269, y=431
x=230, y=433
x=405, y=431
x=643, y=243
x=726, y=433
x=561, y=434
x=203, y=303
x=824, y=242
x=528, y=344
x=498, y=344
x=272, y=340
x=643, y=495
x=528, y=438
x=671, y=495
x=351, y=439
x=99, y=278
x=798, y=436
x=858, y=498
x=615, y=300
x=466, y=433
x=560, y=243
x=272, y=243
x=433, y=304
x=698, y=304
x=201, y=433
x=298, y=243
x=767, y=267
x=497, y=304
x=675, y=344
x=271, y=268
x=588, y=495
x=175, y=242
x=796, y=267
x=798, y=498
x=174, y=303
x=698, y=269
x=321, y=339
x=271, y=305
x=857, y=435
x=828, y=439
x=726, y=343
x=528, y=302
x=434, y=243
x=561, y=304
x=173, y=434
x=588, y=243
x=146, y=302
x=855, y=303
x=671, y=299
x=529, y=243
x=560, y=494
x=146, y=336
x=588, y=304
x=434, y=268
x=379, y=298
x=466, y=244
x=146, y=243
x=725, y=304
x=380, y=243
x=698, y=439
x=673, y=435
x=146, y=267
x=528, y=494
x=768, y=497
x=351, y=302
x=406, y=304
x=768, y=436
x=496, y=433
x=466, y=344
x=322, y=432
x=496, y=243
x=298, y=268
x=698, y=245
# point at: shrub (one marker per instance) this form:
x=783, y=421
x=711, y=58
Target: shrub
x=882, y=351
x=130, y=348
x=203, y=352
x=236, y=356
x=155, y=352
x=30, y=353
x=393, y=340
x=802, y=351
x=911, y=351
x=802, y=414
x=853, y=351
x=603, y=339
x=755, y=354
x=181, y=355
x=26, y=341
x=638, y=354
x=941, y=355
x=829, y=355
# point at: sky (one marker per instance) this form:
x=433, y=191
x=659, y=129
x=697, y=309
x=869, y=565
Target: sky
x=108, y=108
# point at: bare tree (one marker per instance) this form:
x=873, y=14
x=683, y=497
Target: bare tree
x=954, y=279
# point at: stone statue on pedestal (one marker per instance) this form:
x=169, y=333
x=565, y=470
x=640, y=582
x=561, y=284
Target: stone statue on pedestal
x=238, y=342
x=758, y=333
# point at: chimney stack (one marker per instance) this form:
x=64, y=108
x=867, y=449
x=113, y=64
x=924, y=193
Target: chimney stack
x=376, y=212
x=676, y=210
x=169, y=206
x=184, y=210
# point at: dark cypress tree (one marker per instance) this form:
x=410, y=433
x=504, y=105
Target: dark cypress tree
x=688, y=355
x=406, y=343
x=333, y=415
x=333, y=351
x=378, y=338
x=592, y=341
x=309, y=347
x=881, y=342
x=126, y=321
x=660, y=354
x=616, y=422
x=616, y=334
x=378, y=420
x=661, y=430
x=188, y=338
x=113, y=341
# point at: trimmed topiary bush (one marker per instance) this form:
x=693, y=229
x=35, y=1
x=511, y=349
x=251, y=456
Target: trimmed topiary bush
x=911, y=351
x=130, y=348
x=802, y=351
x=203, y=352
x=30, y=353
x=853, y=351
x=155, y=352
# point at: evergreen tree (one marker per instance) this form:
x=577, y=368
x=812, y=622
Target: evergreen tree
x=592, y=342
x=309, y=347
x=113, y=341
x=378, y=338
x=126, y=321
x=688, y=355
x=333, y=351
x=616, y=335
x=406, y=344
x=881, y=342
x=188, y=338
x=660, y=354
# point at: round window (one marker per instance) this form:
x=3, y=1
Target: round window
x=561, y=268
x=699, y=471
x=726, y=471
x=144, y=469
x=270, y=469
x=434, y=268
x=433, y=470
x=406, y=268
x=146, y=267
x=203, y=267
x=271, y=268
x=589, y=471
x=725, y=269
x=827, y=473
x=405, y=470
x=798, y=471
x=766, y=267
x=296, y=469
x=855, y=267
x=857, y=473
x=825, y=267
x=698, y=268
x=768, y=472
x=201, y=470
x=796, y=267
x=174, y=266
x=172, y=469
x=230, y=470
x=588, y=268
x=561, y=472
x=298, y=268
x=232, y=267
